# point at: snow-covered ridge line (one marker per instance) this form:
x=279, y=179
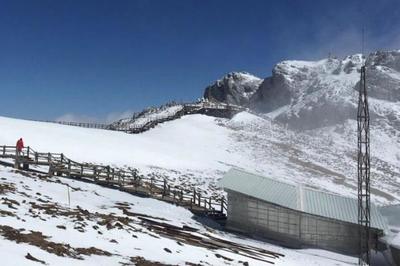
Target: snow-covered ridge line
x=153, y=116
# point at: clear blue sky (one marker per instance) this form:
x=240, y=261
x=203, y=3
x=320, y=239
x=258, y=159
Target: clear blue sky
x=96, y=58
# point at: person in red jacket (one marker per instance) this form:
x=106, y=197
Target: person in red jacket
x=20, y=146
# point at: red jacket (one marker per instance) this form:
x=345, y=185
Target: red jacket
x=20, y=145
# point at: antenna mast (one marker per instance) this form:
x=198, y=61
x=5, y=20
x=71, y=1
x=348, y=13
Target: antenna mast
x=363, y=168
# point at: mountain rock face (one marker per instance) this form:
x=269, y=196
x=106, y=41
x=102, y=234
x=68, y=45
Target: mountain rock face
x=383, y=75
x=233, y=88
x=313, y=94
x=307, y=94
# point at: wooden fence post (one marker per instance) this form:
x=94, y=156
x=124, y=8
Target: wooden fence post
x=28, y=151
x=36, y=157
x=51, y=170
x=94, y=173
x=164, y=188
x=151, y=185
x=4, y=150
x=49, y=157
x=199, y=195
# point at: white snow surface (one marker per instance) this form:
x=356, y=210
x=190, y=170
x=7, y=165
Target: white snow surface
x=182, y=144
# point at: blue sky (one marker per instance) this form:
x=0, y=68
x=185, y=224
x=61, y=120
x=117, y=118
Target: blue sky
x=98, y=60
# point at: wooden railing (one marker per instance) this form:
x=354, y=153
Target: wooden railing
x=132, y=128
x=189, y=108
x=80, y=124
x=128, y=180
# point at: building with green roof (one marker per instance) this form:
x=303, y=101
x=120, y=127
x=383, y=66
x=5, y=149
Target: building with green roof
x=295, y=216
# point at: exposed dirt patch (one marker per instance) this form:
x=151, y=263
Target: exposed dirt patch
x=6, y=213
x=6, y=187
x=223, y=257
x=134, y=214
x=10, y=203
x=140, y=261
x=92, y=251
x=41, y=241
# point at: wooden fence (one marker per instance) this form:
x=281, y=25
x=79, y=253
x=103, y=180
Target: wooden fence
x=125, y=180
x=208, y=108
x=218, y=110
x=79, y=124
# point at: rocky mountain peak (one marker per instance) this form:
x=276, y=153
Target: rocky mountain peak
x=307, y=94
x=233, y=88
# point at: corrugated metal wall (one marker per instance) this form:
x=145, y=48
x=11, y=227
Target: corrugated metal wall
x=290, y=227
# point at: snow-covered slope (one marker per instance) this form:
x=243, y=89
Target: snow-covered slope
x=234, y=88
x=101, y=226
x=194, y=151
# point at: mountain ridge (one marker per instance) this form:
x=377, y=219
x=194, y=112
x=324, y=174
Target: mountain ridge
x=312, y=94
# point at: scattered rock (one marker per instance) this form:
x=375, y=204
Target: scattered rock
x=30, y=257
x=140, y=261
x=223, y=257
x=167, y=250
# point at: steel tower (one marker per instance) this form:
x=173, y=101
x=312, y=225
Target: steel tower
x=363, y=172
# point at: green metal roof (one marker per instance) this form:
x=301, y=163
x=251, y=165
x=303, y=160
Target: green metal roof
x=298, y=198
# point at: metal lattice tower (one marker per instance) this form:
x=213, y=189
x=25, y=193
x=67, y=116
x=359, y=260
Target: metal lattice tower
x=363, y=172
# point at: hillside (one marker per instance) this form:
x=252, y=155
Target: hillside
x=196, y=150
x=102, y=226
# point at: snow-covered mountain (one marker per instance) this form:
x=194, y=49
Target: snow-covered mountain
x=312, y=94
x=234, y=88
